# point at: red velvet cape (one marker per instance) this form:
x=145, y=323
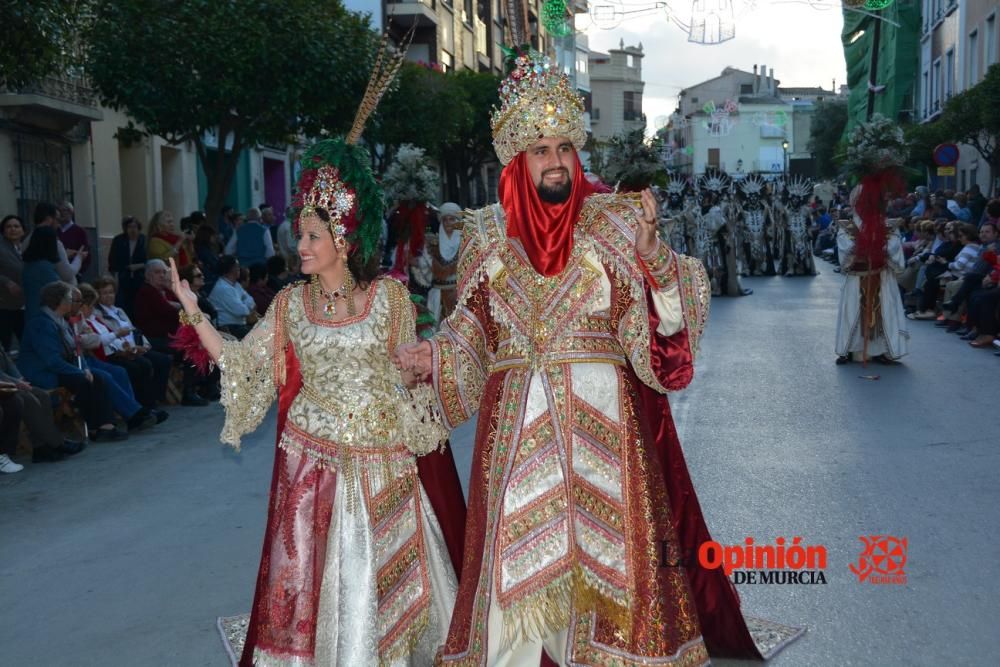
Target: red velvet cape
x=438, y=476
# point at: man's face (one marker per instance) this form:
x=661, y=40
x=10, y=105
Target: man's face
x=267, y=216
x=157, y=277
x=76, y=301
x=65, y=214
x=551, y=163
x=987, y=234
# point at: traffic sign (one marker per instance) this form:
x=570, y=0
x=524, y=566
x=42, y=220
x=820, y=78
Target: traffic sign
x=945, y=171
x=946, y=155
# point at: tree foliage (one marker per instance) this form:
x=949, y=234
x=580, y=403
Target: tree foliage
x=38, y=39
x=973, y=117
x=826, y=135
x=253, y=71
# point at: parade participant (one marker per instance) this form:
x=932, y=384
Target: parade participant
x=355, y=568
x=794, y=213
x=871, y=323
x=573, y=322
x=757, y=223
x=676, y=209
x=412, y=183
x=443, y=252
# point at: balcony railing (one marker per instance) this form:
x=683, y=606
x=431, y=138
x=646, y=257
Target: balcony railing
x=65, y=88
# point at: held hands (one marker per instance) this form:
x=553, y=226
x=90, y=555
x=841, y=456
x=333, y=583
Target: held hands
x=414, y=361
x=188, y=299
x=645, y=234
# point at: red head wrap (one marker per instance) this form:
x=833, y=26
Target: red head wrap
x=545, y=230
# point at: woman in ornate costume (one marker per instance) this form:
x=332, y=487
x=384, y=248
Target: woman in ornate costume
x=357, y=564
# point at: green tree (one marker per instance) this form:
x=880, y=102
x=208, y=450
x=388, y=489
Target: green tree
x=973, y=117
x=251, y=71
x=826, y=134
x=473, y=146
x=38, y=39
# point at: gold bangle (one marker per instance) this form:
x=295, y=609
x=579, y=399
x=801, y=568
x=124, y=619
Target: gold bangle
x=192, y=320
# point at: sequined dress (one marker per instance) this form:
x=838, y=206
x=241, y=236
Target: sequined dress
x=355, y=569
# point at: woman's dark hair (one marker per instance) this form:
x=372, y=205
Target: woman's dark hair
x=993, y=208
x=258, y=271
x=128, y=220
x=8, y=218
x=204, y=235
x=186, y=272
x=276, y=265
x=363, y=271
x=43, y=246
x=969, y=231
x=106, y=281
x=43, y=210
x=226, y=264
x=88, y=294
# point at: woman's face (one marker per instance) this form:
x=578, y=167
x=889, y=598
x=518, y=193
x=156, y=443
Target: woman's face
x=132, y=230
x=13, y=231
x=197, y=280
x=167, y=221
x=86, y=311
x=316, y=246
x=107, y=295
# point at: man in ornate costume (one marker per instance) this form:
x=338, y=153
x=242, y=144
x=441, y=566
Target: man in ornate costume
x=676, y=207
x=794, y=213
x=756, y=223
x=573, y=322
x=361, y=534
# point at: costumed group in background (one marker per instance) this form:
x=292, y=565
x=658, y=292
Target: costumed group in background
x=565, y=320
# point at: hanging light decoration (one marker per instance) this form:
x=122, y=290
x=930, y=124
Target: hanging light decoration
x=875, y=5
x=712, y=21
x=555, y=18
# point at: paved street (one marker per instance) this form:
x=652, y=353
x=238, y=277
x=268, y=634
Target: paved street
x=127, y=554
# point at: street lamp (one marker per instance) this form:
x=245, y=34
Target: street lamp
x=784, y=150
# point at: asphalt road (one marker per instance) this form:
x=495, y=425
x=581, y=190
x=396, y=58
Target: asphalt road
x=127, y=554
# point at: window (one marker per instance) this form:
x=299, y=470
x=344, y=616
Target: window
x=991, y=41
x=949, y=74
x=447, y=62
x=972, y=58
x=936, y=86
x=962, y=180
x=595, y=114
x=925, y=93
x=972, y=177
x=467, y=12
x=746, y=88
x=632, y=105
x=713, y=157
x=694, y=100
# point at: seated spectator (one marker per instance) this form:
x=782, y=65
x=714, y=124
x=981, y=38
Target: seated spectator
x=127, y=261
x=72, y=236
x=993, y=212
x=11, y=291
x=165, y=242
x=984, y=307
x=40, y=260
x=35, y=406
x=48, y=360
x=206, y=250
x=10, y=428
x=957, y=292
x=156, y=315
x=915, y=251
x=196, y=280
x=958, y=206
x=234, y=305
x=251, y=242
x=124, y=346
x=968, y=239
x=277, y=273
x=261, y=293
x=46, y=215
x=936, y=265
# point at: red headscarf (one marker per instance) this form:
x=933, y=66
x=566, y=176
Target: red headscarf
x=545, y=230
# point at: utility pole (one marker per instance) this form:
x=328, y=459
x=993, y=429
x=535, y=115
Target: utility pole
x=873, y=69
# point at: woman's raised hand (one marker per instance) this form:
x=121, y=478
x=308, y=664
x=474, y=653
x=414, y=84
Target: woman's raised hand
x=183, y=291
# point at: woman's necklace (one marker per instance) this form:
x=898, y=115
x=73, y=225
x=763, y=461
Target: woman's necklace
x=345, y=291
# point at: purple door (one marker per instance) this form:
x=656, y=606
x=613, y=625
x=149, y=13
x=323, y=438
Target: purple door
x=275, y=188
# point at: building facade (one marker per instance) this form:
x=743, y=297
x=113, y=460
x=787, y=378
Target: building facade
x=958, y=43
x=616, y=88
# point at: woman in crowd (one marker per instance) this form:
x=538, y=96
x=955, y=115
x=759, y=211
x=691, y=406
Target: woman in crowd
x=127, y=261
x=11, y=293
x=122, y=345
x=945, y=249
x=165, y=243
x=40, y=260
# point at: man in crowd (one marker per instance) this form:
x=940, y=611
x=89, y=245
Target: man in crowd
x=234, y=305
x=46, y=215
x=251, y=242
x=72, y=236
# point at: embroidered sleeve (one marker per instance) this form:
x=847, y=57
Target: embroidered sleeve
x=461, y=349
x=420, y=418
x=248, y=385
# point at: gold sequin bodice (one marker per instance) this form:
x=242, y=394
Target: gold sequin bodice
x=348, y=390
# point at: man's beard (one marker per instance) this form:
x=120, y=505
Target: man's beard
x=555, y=194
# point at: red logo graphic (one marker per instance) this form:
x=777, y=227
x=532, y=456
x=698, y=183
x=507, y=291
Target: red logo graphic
x=882, y=560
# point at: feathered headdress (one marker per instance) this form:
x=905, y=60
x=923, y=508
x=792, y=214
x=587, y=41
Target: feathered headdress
x=752, y=185
x=716, y=182
x=799, y=187
x=336, y=173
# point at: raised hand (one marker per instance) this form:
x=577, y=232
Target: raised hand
x=188, y=299
x=645, y=234
x=414, y=359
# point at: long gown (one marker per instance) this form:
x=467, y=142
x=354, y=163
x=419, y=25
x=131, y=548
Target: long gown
x=578, y=482
x=355, y=567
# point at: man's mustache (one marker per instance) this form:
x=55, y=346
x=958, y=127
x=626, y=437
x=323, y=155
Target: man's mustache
x=562, y=170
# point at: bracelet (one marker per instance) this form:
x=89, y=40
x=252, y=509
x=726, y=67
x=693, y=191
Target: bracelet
x=192, y=320
x=657, y=264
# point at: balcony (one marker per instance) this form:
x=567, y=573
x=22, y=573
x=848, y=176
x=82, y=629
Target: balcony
x=406, y=13
x=56, y=103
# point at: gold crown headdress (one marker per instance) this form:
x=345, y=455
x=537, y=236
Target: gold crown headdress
x=336, y=173
x=536, y=101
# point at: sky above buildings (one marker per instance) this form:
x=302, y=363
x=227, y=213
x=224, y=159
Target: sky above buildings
x=799, y=40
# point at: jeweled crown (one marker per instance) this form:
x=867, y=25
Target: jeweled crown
x=536, y=101
x=330, y=193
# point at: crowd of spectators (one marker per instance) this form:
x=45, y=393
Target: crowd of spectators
x=952, y=274
x=101, y=351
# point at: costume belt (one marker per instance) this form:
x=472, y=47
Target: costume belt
x=580, y=349
x=377, y=420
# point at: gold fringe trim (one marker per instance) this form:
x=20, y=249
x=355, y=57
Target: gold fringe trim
x=403, y=647
x=550, y=609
